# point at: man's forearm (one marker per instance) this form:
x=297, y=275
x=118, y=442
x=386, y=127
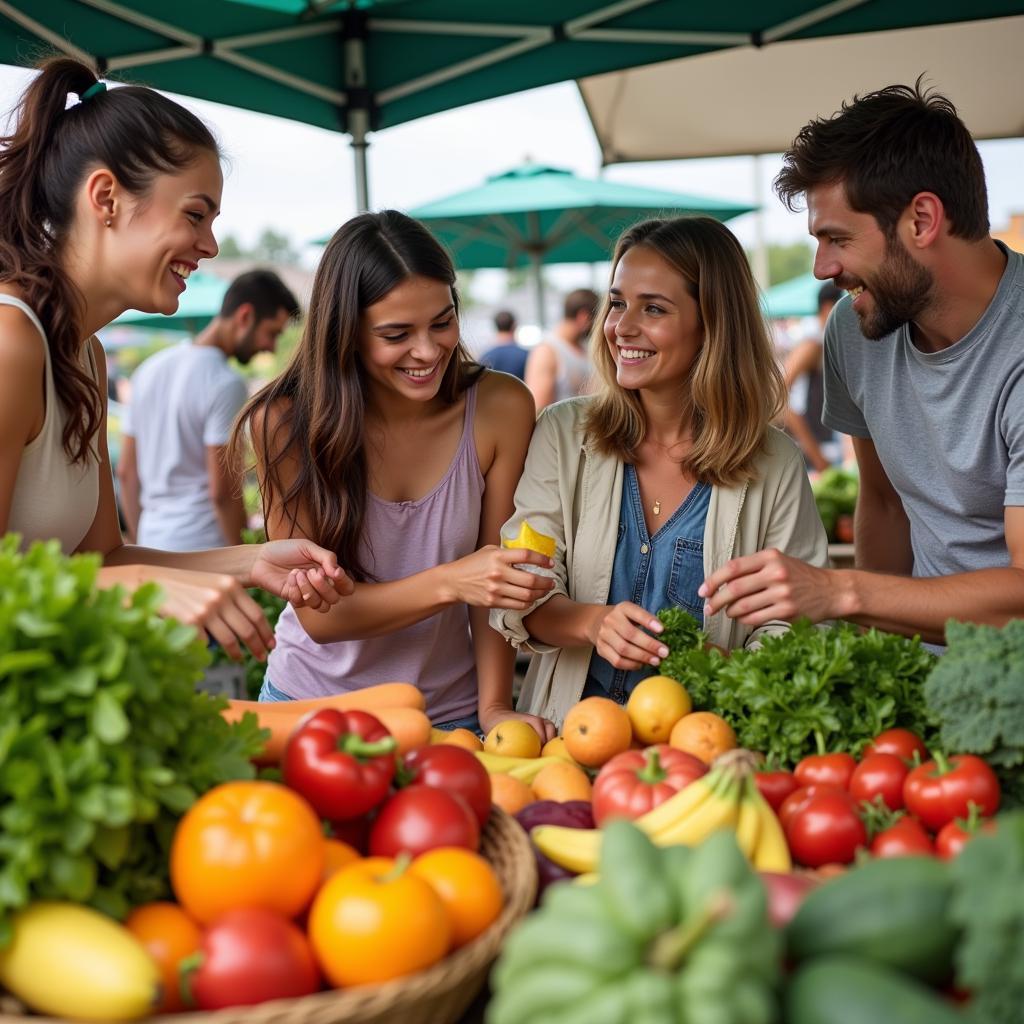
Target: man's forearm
x=899, y=604
x=131, y=508
x=230, y=514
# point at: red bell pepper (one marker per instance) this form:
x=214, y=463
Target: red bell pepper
x=342, y=762
x=635, y=781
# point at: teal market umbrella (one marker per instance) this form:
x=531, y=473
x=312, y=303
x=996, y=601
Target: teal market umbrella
x=534, y=214
x=795, y=297
x=199, y=304
x=361, y=65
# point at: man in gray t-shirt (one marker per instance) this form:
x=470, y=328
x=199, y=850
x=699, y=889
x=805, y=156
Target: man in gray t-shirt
x=924, y=368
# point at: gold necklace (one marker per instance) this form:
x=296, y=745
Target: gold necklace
x=657, y=508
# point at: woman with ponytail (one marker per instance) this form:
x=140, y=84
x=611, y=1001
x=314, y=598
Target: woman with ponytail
x=107, y=204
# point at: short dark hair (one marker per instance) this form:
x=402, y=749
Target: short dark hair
x=264, y=291
x=884, y=148
x=504, y=321
x=579, y=300
x=828, y=295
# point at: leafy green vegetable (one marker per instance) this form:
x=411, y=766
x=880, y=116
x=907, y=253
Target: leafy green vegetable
x=988, y=904
x=976, y=693
x=835, y=494
x=810, y=690
x=104, y=741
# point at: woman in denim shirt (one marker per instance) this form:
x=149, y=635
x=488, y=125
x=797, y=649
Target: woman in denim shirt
x=669, y=470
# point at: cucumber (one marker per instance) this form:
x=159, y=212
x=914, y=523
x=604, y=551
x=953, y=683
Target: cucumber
x=845, y=990
x=892, y=912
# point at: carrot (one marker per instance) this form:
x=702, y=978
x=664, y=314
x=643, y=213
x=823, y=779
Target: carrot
x=409, y=726
x=369, y=698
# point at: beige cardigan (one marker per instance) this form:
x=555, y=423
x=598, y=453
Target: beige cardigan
x=573, y=493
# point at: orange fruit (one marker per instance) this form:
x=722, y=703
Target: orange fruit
x=703, y=734
x=169, y=935
x=556, y=748
x=562, y=781
x=464, y=738
x=654, y=706
x=595, y=730
x=513, y=738
x=510, y=794
x=467, y=885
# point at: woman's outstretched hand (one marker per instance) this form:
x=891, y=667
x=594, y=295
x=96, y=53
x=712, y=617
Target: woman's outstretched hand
x=303, y=573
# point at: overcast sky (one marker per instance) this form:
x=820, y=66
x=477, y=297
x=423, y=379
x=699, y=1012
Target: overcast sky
x=299, y=180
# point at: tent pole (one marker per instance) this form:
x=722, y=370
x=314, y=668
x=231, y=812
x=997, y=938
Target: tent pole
x=358, y=114
x=357, y=122
x=537, y=268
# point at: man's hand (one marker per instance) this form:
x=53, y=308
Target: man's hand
x=303, y=573
x=770, y=585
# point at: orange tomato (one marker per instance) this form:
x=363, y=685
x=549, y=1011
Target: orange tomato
x=595, y=730
x=338, y=855
x=374, y=921
x=247, y=844
x=703, y=734
x=169, y=935
x=467, y=885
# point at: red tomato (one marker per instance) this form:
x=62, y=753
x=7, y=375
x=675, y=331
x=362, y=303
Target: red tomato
x=421, y=818
x=901, y=742
x=880, y=775
x=825, y=770
x=955, y=835
x=798, y=798
x=775, y=786
x=635, y=781
x=248, y=956
x=826, y=830
x=907, y=838
x=939, y=791
x=452, y=769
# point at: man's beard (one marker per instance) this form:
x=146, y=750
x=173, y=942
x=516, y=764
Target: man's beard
x=246, y=348
x=900, y=291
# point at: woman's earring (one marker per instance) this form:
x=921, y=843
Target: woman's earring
x=108, y=222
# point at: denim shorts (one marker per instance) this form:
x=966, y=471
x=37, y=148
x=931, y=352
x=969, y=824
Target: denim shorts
x=270, y=693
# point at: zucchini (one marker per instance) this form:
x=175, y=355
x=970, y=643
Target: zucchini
x=893, y=912
x=845, y=990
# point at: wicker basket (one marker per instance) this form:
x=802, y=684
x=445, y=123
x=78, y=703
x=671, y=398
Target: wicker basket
x=438, y=995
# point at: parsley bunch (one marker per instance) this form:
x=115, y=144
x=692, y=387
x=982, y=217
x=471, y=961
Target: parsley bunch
x=104, y=741
x=809, y=690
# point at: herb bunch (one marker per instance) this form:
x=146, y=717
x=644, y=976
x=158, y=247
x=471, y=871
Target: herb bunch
x=104, y=740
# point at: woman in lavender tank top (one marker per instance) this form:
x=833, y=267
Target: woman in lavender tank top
x=384, y=440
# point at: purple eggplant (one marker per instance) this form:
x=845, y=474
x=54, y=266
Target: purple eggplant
x=571, y=814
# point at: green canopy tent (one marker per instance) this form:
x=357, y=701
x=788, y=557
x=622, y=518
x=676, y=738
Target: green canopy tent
x=796, y=297
x=534, y=215
x=200, y=303
x=361, y=65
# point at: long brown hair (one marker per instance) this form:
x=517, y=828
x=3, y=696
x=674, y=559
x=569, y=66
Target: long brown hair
x=133, y=131
x=735, y=386
x=315, y=412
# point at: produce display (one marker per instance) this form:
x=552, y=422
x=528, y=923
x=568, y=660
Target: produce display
x=815, y=832
x=835, y=494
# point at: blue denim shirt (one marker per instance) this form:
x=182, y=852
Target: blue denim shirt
x=653, y=572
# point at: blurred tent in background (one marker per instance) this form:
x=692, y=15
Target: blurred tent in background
x=199, y=304
x=358, y=66
x=533, y=215
x=795, y=297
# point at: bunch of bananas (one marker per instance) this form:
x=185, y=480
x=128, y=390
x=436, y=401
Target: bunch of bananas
x=526, y=769
x=726, y=798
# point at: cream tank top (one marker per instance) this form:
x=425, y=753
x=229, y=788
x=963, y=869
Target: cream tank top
x=53, y=497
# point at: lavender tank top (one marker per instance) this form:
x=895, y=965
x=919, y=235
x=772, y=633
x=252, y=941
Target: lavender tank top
x=402, y=538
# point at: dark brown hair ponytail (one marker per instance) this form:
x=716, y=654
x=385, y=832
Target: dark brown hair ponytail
x=134, y=132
